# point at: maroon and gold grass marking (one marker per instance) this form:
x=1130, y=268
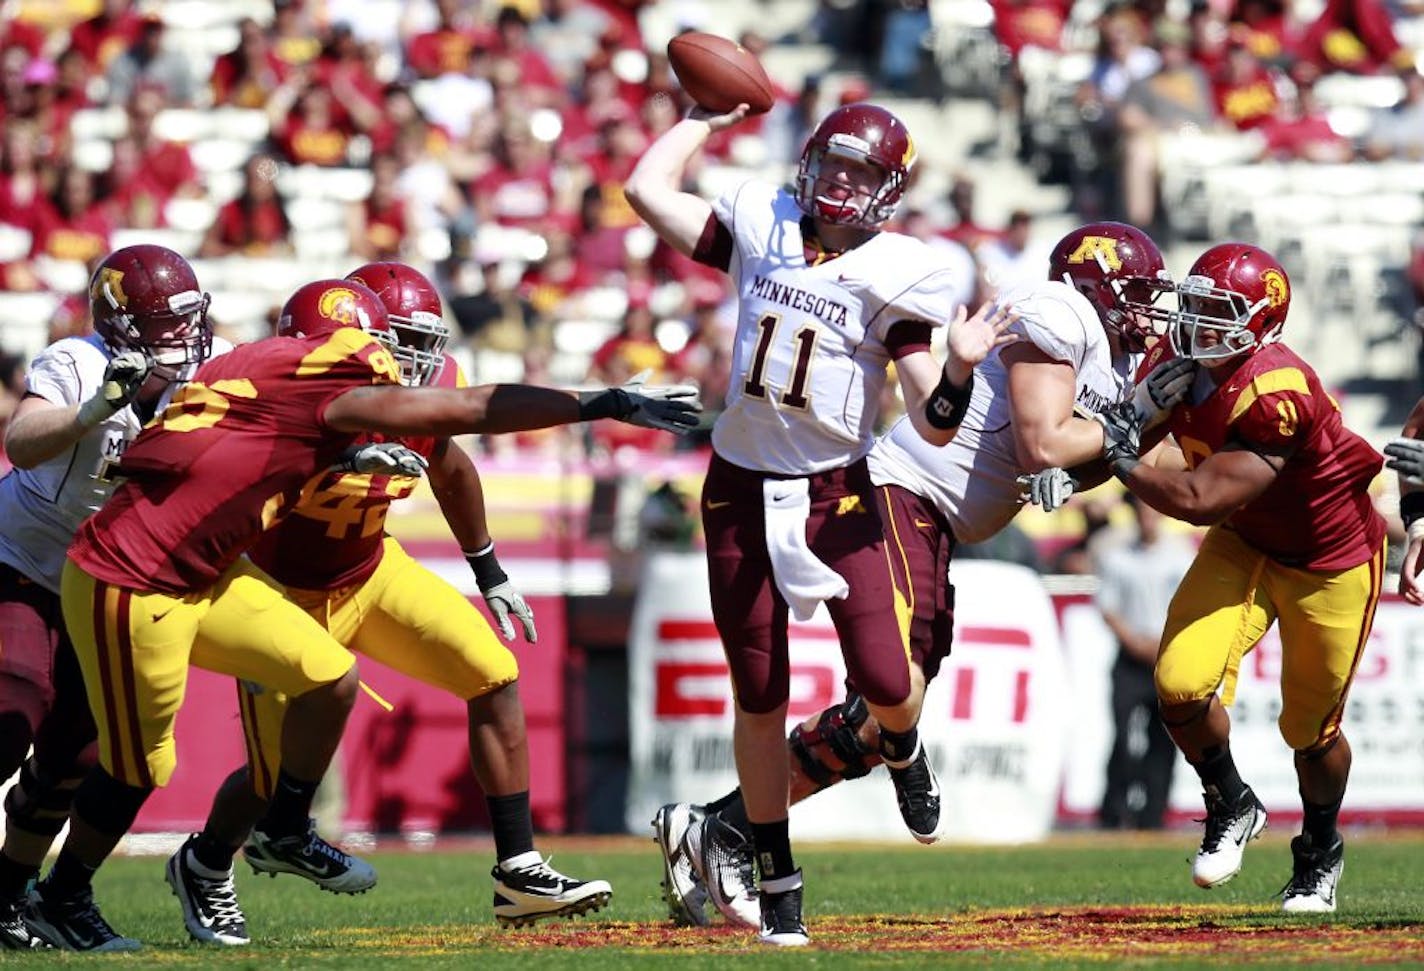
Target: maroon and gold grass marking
x=1217, y=933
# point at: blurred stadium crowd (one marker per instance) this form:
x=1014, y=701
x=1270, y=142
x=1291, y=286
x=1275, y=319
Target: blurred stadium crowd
x=485, y=141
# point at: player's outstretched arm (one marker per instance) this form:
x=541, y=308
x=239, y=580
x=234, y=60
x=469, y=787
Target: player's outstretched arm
x=493, y=409
x=654, y=189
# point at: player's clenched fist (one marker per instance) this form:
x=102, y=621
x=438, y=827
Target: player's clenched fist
x=123, y=377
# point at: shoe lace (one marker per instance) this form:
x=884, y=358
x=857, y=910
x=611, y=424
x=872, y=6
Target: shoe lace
x=1219, y=819
x=82, y=912
x=219, y=897
x=915, y=791
x=543, y=870
x=1308, y=873
x=733, y=853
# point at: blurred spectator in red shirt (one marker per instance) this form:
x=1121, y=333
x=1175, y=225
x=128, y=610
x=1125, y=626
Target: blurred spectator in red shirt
x=599, y=247
x=294, y=36
x=22, y=184
x=310, y=134
x=168, y=163
x=14, y=93
x=446, y=49
x=965, y=230
x=255, y=223
x=18, y=32
x=70, y=318
x=538, y=78
x=73, y=225
x=633, y=350
x=557, y=279
x=518, y=190
x=1244, y=89
x=108, y=33
x=145, y=63
x=1263, y=26
x=134, y=196
x=44, y=106
x=377, y=225
x=1030, y=23
x=73, y=82
x=1301, y=131
x=347, y=68
x=1355, y=36
x=1210, y=35
x=399, y=112
x=621, y=142
x=247, y=75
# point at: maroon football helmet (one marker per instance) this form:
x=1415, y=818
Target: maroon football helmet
x=864, y=133
x=1234, y=301
x=1121, y=272
x=324, y=306
x=147, y=298
x=417, y=318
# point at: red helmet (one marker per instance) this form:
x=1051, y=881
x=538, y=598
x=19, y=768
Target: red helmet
x=1121, y=272
x=147, y=298
x=863, y=133
x=1234, y=301
x=417, y=318
x=324, y=306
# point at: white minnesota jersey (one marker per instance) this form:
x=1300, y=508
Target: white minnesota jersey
x=973, y=479
x=41, y=508
x=810, y=358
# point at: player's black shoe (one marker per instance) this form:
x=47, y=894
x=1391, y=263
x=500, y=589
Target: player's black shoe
x=308, y=855
x=917, y=792
x=15, y=933
x=74, y=923
x=781, y=922
x=1314, y=877
x=1229, y=827
x=209, y=899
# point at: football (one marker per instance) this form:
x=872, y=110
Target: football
x=719, y=74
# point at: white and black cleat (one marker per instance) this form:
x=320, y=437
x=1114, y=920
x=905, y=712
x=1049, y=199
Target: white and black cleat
x=527, y=889
x=685, y=894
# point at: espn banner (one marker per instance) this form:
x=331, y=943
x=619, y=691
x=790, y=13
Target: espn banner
x=993, y=720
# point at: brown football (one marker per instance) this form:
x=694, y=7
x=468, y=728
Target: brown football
x=719, y=74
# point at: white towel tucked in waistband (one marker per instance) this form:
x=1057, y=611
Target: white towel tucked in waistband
x=804, y=581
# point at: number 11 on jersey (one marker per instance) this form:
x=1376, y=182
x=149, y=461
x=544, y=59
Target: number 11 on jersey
x=795, y=395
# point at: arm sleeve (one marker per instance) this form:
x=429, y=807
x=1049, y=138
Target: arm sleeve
x=54, y=376
x=714, y=247
x=1054, y=328
x=908, y=337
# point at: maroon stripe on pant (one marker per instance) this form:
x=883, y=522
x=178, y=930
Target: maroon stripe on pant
x=106, y=681
x=844, y=531
x=145, y=778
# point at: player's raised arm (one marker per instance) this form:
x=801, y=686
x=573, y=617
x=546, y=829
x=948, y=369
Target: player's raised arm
x=654, y=190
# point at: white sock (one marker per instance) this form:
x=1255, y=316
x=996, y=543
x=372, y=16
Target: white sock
x=522, y=860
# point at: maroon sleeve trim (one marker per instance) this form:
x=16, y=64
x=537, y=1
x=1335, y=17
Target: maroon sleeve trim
x=714, y=246
x=908, y=337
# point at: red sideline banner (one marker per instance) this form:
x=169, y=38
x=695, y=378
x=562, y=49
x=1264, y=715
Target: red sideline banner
x=992, y=723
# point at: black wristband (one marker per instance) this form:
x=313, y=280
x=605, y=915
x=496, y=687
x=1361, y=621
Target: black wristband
x=1122, y=467
x=608, y=403
x=1411, y=507
x=948, y=403
x=488, y=573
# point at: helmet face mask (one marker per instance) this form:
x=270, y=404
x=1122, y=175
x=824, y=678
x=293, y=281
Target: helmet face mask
x=418, y=333
x=851, y=139
x=146, y=298
x=1232, y=303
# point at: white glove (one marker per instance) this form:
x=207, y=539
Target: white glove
x=670, y=408
x=504, y=600
x=383, y=458
x=1050, y=488
x=123, y=376
x=1166, y=386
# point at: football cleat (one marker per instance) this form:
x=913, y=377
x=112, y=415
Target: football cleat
x=74, y=924
x=781, y=923
x=309, y=856
x=1228, y=829
x=917, y=792
x=534, y=891
x=209, y=899
x=685, y=895
x=721, y=859
x=15, y=933
x=1315, y=875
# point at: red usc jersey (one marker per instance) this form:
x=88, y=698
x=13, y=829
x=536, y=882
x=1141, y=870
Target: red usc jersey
x=226, y=459
x=333, y=536
x=1317, y=514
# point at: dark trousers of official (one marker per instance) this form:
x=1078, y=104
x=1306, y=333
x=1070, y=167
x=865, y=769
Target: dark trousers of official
x=1139, y=776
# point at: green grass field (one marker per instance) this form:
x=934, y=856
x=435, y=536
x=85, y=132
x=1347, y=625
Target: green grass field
x=1086, y=900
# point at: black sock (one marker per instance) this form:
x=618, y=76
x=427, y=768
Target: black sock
x=69, y=877
x=290, y=808
x=15, y=877
x=1320, y=822
x=717, y=805
x=773, y=849
x=512, y=824
x=898, y=746
x=212, y=852
x=734, y=814
x=1218, y=770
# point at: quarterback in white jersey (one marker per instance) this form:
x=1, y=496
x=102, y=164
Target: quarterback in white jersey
x=86, y=399
x=1081, y=337
x=826, y=302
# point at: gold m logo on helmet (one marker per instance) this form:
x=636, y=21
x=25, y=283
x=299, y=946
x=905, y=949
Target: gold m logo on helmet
x=1090, y=246
x=1277, y=289
x=909, y=160
x=338, y=304
x=109, y=285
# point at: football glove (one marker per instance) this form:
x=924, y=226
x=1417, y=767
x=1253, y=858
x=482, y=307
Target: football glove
x=1050, y=488
x=671, y=408
x=1165, y=387
x=123, y=376
x=500, y=596
x=382, y=458
x=1122, y=436
x=1406, y=456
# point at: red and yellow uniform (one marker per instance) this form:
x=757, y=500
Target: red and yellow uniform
x=155, y=579
x=337, y=563
x=1309, y=551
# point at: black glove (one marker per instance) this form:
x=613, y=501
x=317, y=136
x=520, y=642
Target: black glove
x=1165, y=387
x=1122, y=437
x=670, y=408
x=1406, y=456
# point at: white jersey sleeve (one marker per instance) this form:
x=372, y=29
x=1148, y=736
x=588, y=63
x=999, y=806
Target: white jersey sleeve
x=1055, y=319
x=746, y=210
x=55, y=375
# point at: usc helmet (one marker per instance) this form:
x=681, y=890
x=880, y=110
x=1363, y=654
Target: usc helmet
x=1121, y=272
x=1234, y=301
x=864, y=133
x=325, y=306
x=416, y=318
x=146, y=298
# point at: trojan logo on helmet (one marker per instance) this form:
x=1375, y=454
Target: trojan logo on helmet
x=1234, y=301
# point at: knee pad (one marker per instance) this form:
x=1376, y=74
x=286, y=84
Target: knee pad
x=107, y=804
x=837, y=734
x=37, y=805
